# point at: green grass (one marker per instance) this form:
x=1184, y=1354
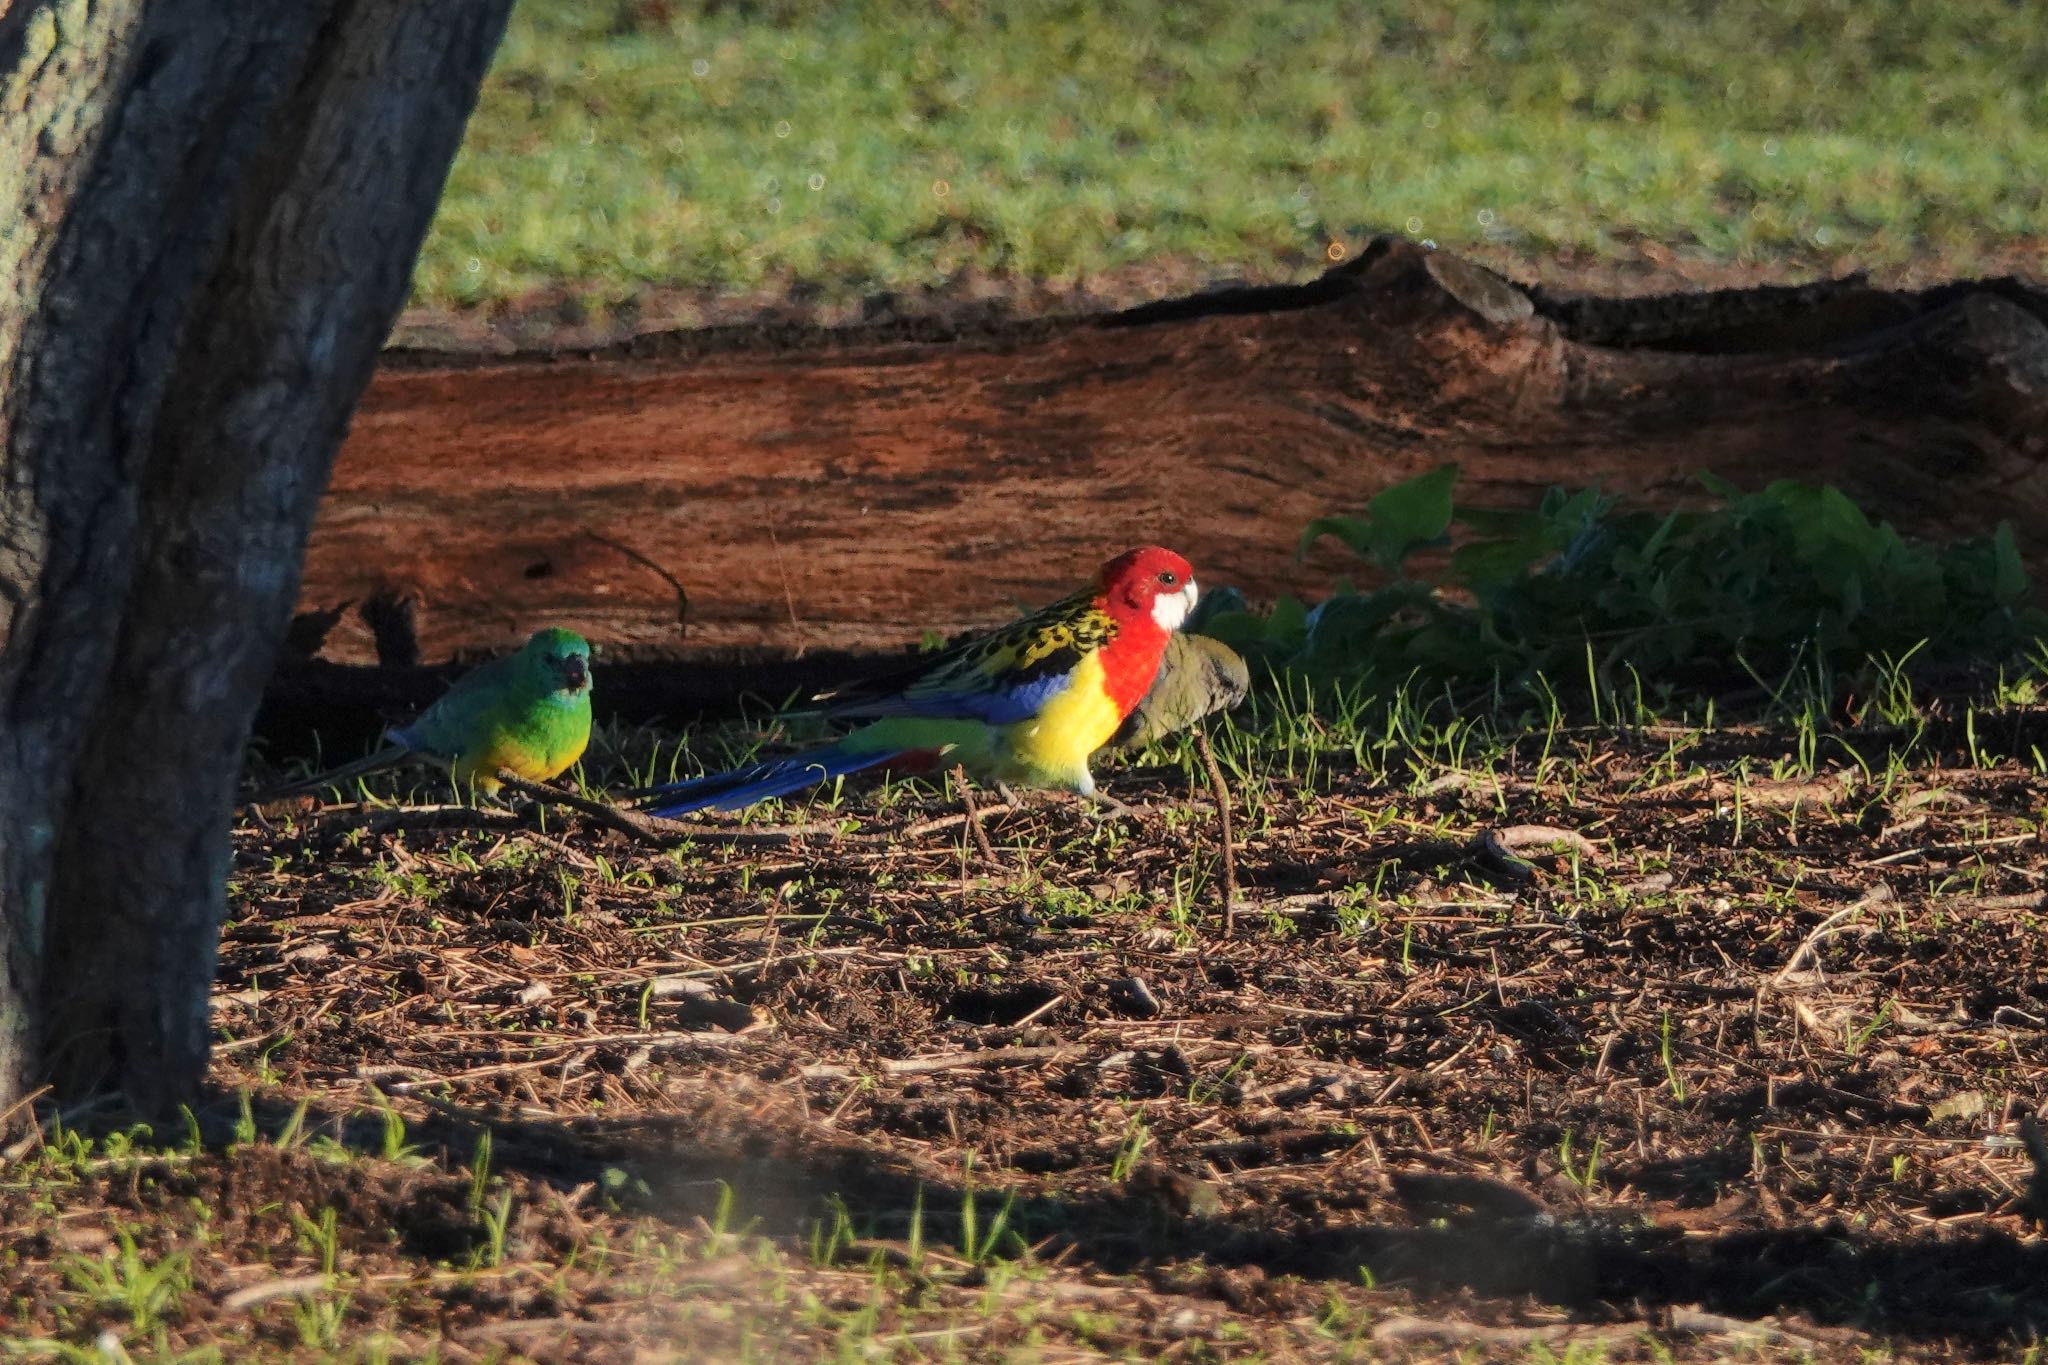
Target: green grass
x=625, y=146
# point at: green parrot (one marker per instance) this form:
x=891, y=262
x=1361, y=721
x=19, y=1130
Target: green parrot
x=1197, y=675
x=527, y=713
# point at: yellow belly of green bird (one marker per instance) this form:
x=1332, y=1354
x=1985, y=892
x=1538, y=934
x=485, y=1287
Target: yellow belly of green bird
x=525, y=759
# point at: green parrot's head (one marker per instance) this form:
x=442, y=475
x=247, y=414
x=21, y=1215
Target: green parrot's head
x=558, y=661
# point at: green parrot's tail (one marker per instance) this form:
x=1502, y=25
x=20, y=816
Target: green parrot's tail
x=384, y=758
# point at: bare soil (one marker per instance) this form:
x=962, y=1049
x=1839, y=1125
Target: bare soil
x=1739, y=1069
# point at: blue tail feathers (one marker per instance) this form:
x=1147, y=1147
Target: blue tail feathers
x=742, y=787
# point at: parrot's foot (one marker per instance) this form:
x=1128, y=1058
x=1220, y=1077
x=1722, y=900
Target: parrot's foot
x=495, y=797
x=1102, y=806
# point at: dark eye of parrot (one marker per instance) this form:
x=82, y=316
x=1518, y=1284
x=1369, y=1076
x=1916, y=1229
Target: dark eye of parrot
x=1168, y=577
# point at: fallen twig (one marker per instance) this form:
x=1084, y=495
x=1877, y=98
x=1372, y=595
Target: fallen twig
x=1699, y=1323
x=1502, y=847
x=756, y=964
x=925, y=1066
x=557, y=1051
x=650, y=829
x=291, y=1287
x=1805, y=951
x=1223, y=830
x=25, y=1102
x=973, y=815
x=1402, y=1329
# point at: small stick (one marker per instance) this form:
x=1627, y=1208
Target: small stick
x=1805, y=952
x=400, y=818
x=981, y=842
x=925, y=1066
x=655, y=829
x=652, y=829
x=255, y=1295
x=682, y=593
x=7, y=1114
x=1222, y=791
x=647, y=828
x=920, y=829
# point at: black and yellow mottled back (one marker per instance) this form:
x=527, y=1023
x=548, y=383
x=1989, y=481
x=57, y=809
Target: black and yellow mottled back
x=999, y=678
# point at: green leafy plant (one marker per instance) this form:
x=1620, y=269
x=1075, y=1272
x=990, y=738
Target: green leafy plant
x=1668, y=1055
x=126, y=1281
x=1580, y=600
x=1580, y=1173
x=1397, y=522
x=1136, y=1133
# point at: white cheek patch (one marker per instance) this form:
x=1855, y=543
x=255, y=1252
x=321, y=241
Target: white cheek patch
x=1170, y=609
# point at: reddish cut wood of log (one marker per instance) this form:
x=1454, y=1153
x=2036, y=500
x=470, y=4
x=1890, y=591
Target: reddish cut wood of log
x=855, y=490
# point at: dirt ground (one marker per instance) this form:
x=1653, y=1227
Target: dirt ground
x=1724, y=1065
x=1734, y=1059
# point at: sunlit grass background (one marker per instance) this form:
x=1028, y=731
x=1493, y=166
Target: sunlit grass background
x=624, y=146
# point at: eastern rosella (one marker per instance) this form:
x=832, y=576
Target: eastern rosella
x=528, y=713
x=1026, y=705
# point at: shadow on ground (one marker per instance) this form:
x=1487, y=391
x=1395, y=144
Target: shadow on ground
x=1442, y=1239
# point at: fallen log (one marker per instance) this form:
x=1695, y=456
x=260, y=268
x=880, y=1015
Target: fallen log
x=774, y=493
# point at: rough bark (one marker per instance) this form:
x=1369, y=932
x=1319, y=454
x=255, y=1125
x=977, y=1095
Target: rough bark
x=219, y=202
x=853, y=490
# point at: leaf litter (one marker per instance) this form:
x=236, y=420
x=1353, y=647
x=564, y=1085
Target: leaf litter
x=1565, y=1055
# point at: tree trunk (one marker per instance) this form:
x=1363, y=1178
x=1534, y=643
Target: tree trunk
x=854, y=489
x=213, y=210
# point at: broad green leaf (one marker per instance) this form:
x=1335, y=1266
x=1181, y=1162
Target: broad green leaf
x=1344, y=628
x=1351, y=532
x=1718, y=486
x=1214, y=602
x=1288, y=619
x=1488, y=563
x=1247, y=632
x=1412, y=513
x=1500, y=522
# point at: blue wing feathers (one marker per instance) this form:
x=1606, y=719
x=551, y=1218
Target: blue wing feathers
x=995, y=704
x=999, y=680
x=742, y=787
